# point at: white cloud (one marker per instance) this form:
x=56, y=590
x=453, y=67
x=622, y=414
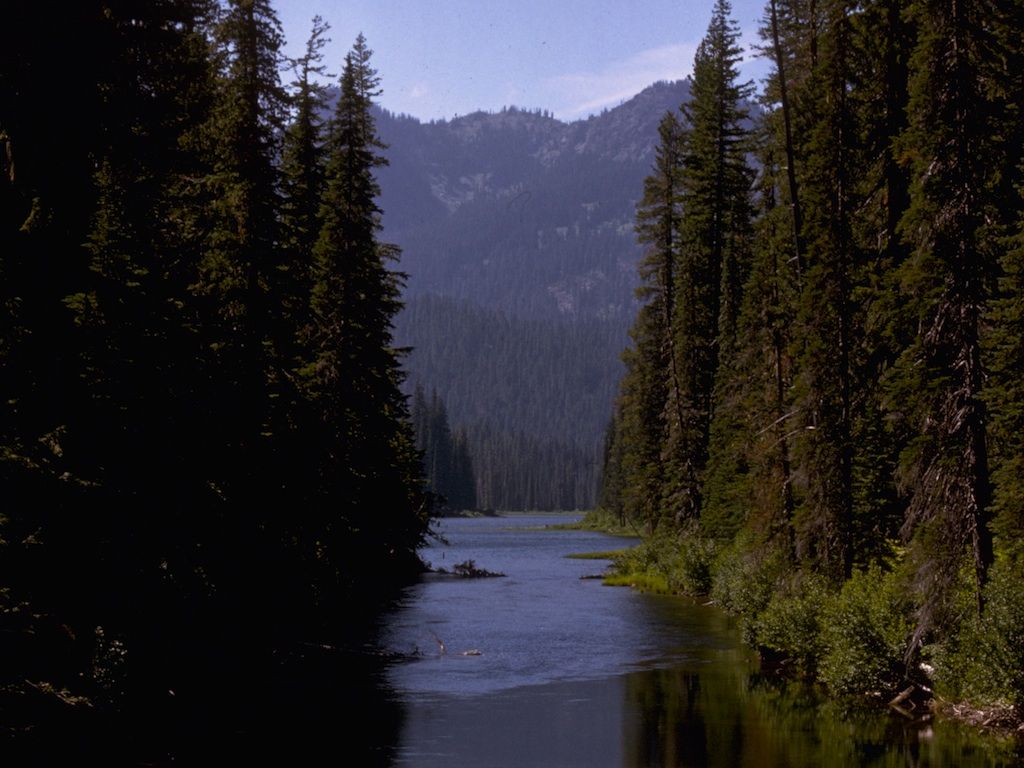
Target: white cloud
x=581, y=93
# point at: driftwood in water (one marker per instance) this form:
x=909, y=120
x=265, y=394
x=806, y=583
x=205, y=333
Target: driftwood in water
x=903, y=696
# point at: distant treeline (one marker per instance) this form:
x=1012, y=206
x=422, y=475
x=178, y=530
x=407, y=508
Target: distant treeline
x=825, y=391
x=205, y=454
x=447, y=463
x=530, y=396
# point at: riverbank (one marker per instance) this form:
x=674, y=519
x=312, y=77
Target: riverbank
x=851, y=638
x=598, y=521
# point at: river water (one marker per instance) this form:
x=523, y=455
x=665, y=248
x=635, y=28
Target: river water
x=546, y=668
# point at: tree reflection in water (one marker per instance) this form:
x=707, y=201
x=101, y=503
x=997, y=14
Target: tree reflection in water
x=727, y=719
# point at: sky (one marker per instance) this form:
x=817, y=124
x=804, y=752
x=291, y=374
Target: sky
x=438, y=59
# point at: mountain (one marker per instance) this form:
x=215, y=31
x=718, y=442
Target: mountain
x=517, y=237
x=520, y=212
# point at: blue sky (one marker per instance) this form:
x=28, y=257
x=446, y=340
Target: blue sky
x=441, y=58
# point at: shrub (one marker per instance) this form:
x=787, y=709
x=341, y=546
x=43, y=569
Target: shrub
x=864, y=634
x=645, y=582
x=689, y=571
x=984, y=664
x=745, y=578
x=679, y=563
x=790, y=625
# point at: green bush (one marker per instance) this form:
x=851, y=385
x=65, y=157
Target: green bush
x=679, y=563
x=745, y=578
x=690, y=568
x=984, y=664
x=790, y=625
x=864, y=635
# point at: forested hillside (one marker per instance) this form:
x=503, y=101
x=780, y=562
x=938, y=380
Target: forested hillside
x=529, y=395
x=522, y=213
x=821, y=420
x=517, y=236
x=206, y=458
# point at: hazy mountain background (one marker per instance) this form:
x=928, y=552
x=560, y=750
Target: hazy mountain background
x=517, y=236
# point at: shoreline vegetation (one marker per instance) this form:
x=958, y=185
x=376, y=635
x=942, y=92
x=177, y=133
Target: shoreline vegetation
x=820, y=427
x=848, y=639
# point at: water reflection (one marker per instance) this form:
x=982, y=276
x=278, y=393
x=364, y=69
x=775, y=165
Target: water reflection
x=716, y=719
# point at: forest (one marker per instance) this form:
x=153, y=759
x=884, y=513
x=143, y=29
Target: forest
x=821, y=423
x=210, y=459
x=206, y=457
x=447, y=463
x=530, y=395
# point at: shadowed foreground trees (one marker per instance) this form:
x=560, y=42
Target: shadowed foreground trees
x=204, y=458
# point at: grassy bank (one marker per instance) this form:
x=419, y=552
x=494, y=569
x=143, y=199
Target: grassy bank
x=600, y=521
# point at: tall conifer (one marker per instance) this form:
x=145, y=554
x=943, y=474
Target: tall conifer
x=370, y=471
x=827, y=312
x=715, y=237
x=950, y=141
x=302, y=171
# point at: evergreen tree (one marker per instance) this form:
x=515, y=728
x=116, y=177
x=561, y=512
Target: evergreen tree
x=715, y=236
x=370, y=471
x=302, y=171
x=827, y=313
x=657, y=224
x=239, y=273
x=117, y=548
x=643, y=399
x=881, y=38
x=462, y=494
x=1005, y=389
x=612, y=479
x=940, y=377
x=439, y=449
x=1005, y=397
x=177, y=502
x=654, y=370
x=750, y=475
x=448, y=468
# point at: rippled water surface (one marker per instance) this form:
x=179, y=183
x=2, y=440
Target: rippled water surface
x=566, y=672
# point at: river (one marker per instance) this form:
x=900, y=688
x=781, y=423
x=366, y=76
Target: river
x=546, y=668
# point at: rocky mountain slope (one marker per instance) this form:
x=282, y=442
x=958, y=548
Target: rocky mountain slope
x=520, y=212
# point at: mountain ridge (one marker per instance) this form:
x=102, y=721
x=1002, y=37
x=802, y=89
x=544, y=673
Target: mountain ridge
x=546, y=204
x=517, y=237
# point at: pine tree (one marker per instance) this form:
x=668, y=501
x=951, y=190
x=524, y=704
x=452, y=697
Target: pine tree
x=613, y=482
x=714, y=233
x=1005, y=398
x=1004, y=391
x=302, y=171
x=657, y=224
x=654, y=370
x=750, y=478
x=827, y=313
x=643, y=398
x=117, y=546
x=462, y=494
x=239, y=275
x=789, y=29
x=881, y=40
x=373, y=508
x=954, y=160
